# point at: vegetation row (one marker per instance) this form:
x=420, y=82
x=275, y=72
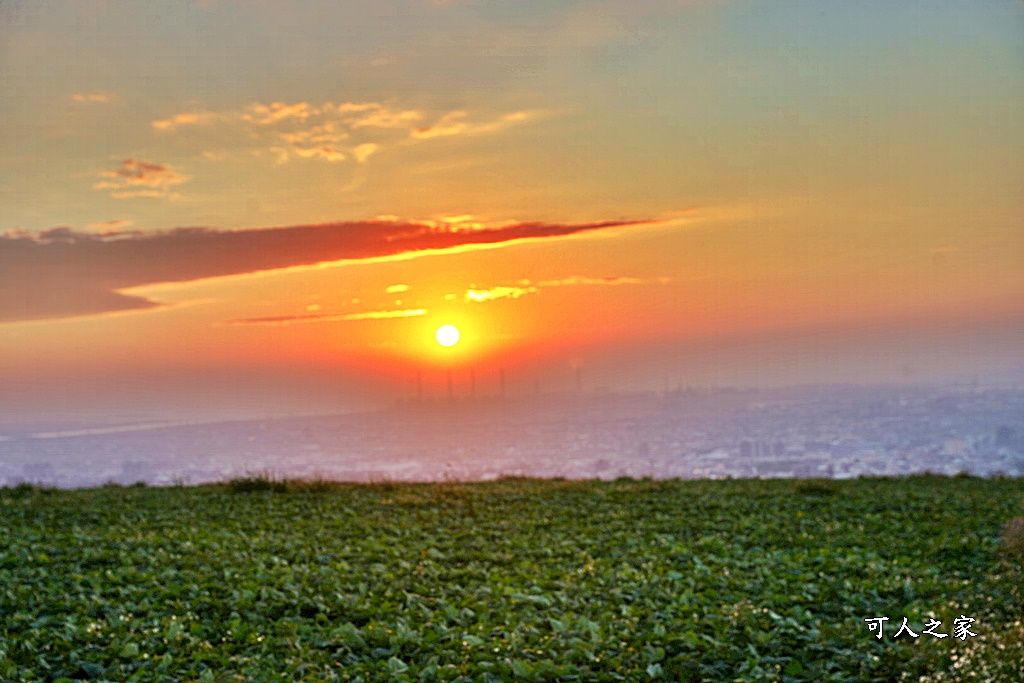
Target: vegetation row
x=264, y=579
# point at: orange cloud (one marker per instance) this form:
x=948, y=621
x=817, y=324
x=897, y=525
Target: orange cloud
x=324, y=152
x=449, y=124
x=137, y=178
x=481, y=295
x=92, y=97
x=363, y=151
x=185, y=119
x=526, y=287
x=329, y=132
x=324, y=131
x=454, y=123
x=376, y=115
x=279, y=111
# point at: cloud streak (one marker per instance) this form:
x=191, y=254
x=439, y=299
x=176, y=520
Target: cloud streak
x=455, y=123
x=282, y=320
x=580, y=280
x=524, y=287
x=91, y=98
x=502, y=292
x=138, y=178
x=63, y=273
x=202, y=118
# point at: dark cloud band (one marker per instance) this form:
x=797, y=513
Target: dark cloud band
x=65, y=273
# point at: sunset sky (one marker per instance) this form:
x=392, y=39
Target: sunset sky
x=248, y=208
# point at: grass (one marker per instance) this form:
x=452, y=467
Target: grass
x=308, y=580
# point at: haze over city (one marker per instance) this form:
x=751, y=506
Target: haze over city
x=215, y=210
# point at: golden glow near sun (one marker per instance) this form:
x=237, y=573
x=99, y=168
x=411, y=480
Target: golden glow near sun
x=447, y=335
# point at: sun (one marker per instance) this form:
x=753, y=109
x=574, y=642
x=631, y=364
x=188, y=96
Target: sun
x=447, y=335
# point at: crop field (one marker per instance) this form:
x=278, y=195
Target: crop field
x=514, y=580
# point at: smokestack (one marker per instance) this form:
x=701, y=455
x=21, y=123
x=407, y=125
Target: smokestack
x=451, y=393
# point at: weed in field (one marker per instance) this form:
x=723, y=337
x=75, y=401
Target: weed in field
x=257, y=483
x=814, y=487
x=1013, y=539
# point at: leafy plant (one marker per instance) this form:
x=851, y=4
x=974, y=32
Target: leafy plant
x=510, y=580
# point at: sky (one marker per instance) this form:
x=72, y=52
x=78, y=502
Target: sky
x=218, y=208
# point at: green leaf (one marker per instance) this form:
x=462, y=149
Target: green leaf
x=92, y=669
x=521, y=669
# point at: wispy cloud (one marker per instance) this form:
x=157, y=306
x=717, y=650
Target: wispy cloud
x=523, y=287
x=502, y=292
x=580, y=280
x=137, y=178
x=362, y=152
x=202, y=118
x=322, y=152
x=264, y=114
x=330, y=132
x=376, y=115
x=282, y=320
x=61, y=272
x=457, y=123
x=91, y=98
x=338, y=132
x=106, y=227
x=396, y=289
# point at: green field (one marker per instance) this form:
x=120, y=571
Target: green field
x=735, y=580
